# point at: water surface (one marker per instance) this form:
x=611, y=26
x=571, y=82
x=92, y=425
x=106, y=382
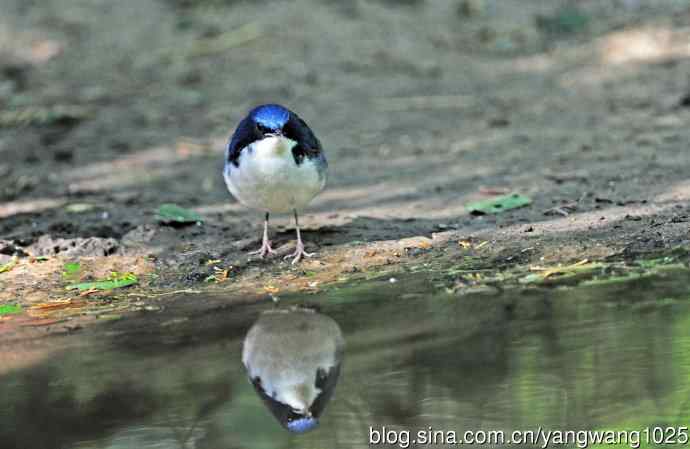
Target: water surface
x=614, y=357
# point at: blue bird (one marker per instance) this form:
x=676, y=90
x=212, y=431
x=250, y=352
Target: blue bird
x=293, y=358
x=274, y=163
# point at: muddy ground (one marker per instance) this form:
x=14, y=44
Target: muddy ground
x=110, y=109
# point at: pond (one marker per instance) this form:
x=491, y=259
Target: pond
x=414, y=358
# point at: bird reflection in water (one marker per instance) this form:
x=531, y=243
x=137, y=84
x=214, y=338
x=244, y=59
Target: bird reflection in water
x=293, y=358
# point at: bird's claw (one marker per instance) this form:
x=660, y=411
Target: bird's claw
x=264, y=250
x=298, y=254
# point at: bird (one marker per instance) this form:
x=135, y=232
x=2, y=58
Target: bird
x=293, y=359
x=274, y=163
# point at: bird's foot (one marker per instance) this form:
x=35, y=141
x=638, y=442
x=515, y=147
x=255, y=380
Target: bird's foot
x=264, y=250
x=299, y=253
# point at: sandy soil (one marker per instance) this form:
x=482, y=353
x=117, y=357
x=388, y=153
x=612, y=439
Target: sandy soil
x=110, y=109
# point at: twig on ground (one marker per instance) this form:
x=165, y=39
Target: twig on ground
x=563, y=209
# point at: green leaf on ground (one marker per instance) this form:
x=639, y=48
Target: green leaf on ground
x=77, y=208
x=9, y=265
x=9, y=309
x=70, y=271
x=115, y=280
x=498, y=204
x=72, y=267
x=172, y=213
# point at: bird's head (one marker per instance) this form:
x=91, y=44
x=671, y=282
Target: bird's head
x=273, y=121
x=269, y=119
x=292, y=405
x=302, y=425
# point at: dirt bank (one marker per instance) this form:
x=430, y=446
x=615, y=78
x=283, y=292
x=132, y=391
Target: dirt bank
x=111, y=109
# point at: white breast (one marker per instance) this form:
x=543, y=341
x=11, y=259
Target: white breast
x=286, y=350
x=268, y=178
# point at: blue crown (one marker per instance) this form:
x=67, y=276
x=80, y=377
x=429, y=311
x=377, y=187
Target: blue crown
x=272, y=116
x=302, y=425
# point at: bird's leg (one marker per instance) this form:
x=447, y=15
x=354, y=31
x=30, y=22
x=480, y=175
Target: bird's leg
x=265, y=243
x=299, y=250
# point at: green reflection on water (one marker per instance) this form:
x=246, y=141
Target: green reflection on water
x=601, y=357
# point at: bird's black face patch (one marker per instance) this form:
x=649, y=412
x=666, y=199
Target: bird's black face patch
x=265, y=130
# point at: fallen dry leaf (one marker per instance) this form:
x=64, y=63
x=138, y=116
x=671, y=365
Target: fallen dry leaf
x=221, y=275
x=9, y=265
x=465, y=244
x=43, y=322
x=44, y=310
x=89, y=292
x=493, y=190
x=271, y=289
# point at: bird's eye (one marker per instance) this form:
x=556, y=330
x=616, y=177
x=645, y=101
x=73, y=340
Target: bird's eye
x=263, y=129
